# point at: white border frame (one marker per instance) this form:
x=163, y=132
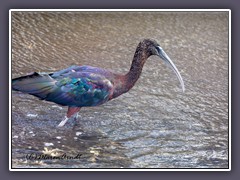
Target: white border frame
x=118, y=10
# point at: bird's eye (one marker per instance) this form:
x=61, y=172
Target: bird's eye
x=159, y=49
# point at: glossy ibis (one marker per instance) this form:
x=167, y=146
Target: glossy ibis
x=82, y=86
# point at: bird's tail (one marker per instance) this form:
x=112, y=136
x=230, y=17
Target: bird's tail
x=36, y=84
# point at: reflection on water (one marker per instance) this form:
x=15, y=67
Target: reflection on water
x=154, y=125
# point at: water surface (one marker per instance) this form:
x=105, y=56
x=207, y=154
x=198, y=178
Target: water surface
x=154, y=125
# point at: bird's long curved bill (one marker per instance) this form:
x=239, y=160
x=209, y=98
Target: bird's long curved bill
x=166, y=59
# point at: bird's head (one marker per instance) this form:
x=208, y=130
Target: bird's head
x=153, y=48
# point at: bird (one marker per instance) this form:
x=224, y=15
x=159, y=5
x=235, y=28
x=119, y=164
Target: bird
x=86, y=86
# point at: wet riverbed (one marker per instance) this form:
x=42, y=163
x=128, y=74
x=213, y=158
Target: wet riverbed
x=155, y=124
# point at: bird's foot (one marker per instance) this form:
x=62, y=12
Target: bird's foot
x=63, y=122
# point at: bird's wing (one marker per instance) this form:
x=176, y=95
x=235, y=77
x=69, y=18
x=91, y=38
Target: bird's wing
x=75, y=86
x=79, y=69
x=37, y=84
x=80, y=88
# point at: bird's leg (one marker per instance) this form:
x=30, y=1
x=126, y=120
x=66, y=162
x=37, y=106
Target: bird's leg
x=72, y=111
x=63, y=122
x=76, y=116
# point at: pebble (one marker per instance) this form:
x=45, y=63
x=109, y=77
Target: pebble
x=48, y=144
x=54, y=106
x=78, y=133
x=32, y=115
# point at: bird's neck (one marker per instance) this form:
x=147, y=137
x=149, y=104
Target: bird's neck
x=136, y=69
x=127, y=81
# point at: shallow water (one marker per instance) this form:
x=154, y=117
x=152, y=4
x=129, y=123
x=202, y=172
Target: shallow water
x=154, y=125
